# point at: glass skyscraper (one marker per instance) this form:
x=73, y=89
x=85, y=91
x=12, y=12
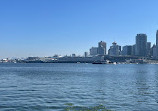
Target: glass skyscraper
x=141, y=45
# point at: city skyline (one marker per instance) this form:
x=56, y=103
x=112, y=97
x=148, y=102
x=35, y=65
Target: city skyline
x=106, y=49
x=141, y=48
x=39, y=28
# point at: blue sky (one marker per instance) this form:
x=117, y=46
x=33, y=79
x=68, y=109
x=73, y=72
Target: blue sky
x=48, y=27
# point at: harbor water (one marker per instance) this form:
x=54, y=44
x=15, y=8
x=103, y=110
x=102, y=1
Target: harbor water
x=59, y=87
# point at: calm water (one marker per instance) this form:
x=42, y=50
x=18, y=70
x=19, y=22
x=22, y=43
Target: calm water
x=53, y=87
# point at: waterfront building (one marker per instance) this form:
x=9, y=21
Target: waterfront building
x=114, y=49
x=151, y=51
x=120, y=48
x=127, y=50
x=157, y=38
x=93, y=51
x=133, y=50
x=85, y=54
x=141, y=45
x=102, y=48
x=154, y=51
x=73, y=55
x=101, y=51
x=148, y=49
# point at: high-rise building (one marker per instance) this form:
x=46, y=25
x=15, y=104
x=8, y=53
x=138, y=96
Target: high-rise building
x=85, y=54
x=102, y=48
x=154, y=49
x=127, y=50
x=148, y=49
x=120, y=48
x=141, y=45
x=134, y=50
x=157, y=38
x=93, y=51
x=114, y=49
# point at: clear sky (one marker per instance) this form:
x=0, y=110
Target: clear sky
x=48, y=27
